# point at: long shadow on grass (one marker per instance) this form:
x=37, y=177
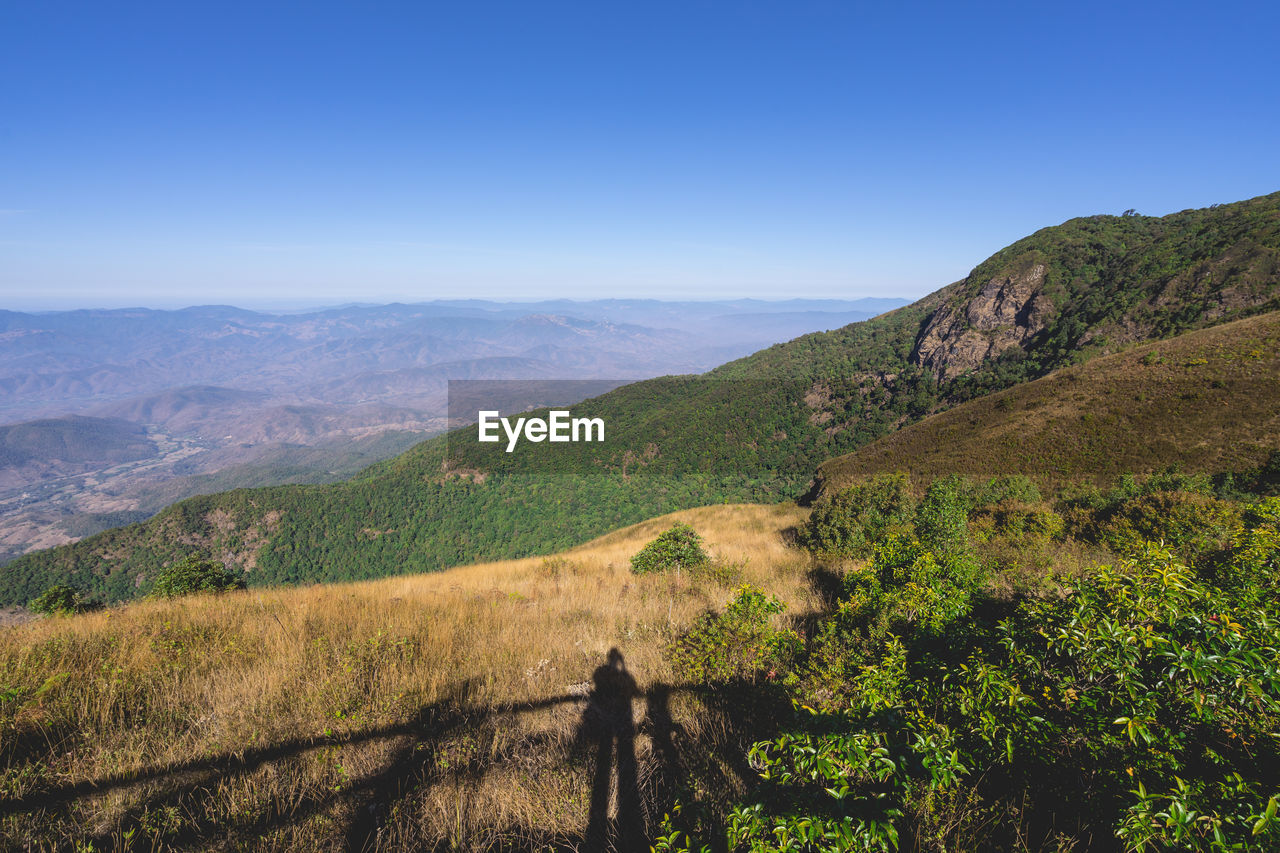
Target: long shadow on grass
x=608, y=722
x=628, y=798
x=178, y=784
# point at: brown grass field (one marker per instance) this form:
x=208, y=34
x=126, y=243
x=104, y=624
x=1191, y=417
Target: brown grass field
x=441, y=711
x=1206, y=401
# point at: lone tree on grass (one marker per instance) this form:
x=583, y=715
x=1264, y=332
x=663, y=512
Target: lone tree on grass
x=194, y=574
x=678, y=548
x=59, y=599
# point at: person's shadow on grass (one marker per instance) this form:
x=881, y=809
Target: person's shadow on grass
x=607, y=722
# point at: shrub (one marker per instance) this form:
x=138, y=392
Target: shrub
x=1250, y=569
x=678, y=548
x=1263, y=481
x=739, y=643
x=1016, y=522
x=942, y=519
x=194, y=574
x=1191, y=524
x=1157, y=690
x=909, y=594
x=856, y=517
x=57, y=599
x=1013, y=488
x=1141, y=703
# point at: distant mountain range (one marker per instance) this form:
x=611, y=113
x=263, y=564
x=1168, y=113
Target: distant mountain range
x=218, y=397
x=73, y=361
x=753, y=429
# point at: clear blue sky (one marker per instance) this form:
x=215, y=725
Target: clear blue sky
x=178, y=153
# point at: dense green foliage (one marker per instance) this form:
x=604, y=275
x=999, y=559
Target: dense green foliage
x=675, y=549
x=194, y=574
x=853, y=518
x=754, y=429
x=952, y=512
x=1137, y=708
x=740, y=643
x=57, y=599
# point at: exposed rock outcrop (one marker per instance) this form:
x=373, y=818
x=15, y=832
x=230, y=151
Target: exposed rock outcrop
x=1007, y=312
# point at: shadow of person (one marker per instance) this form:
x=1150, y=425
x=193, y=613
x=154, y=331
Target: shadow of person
x=608, y=722
x=660, y=728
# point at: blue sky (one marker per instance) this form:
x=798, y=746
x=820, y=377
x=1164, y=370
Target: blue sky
x=169, y=154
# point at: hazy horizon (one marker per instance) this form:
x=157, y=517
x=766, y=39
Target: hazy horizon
x=304, y=306
x=248, y=154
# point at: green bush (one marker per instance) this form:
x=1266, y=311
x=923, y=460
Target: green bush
x=856, y=517
x=908, y=591
x=1192, y=524
x=738, y=644
x=677, y=548
x=1016, y=522
x=1142, y=704
x=194, y=574
x=1013, y=488
x=1250, y=569
x=1263, y=481
x=942, y=519
x=57, y=599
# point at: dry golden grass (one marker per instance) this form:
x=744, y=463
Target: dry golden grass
x=393, y=714
x=1206, y=401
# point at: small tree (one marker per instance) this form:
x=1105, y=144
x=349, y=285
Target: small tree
x=942, y=518
x=678, y=548
x=856, y=517
x=60, y=598
x=194, y=574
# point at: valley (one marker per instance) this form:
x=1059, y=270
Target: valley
x=758, y=428
x=237, y=399
x=31, y=511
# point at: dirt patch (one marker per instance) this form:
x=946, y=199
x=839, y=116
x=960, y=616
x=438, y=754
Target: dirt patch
x=15, y=616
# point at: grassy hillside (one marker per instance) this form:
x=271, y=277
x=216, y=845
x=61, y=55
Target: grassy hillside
x=408, y=711
x=766, y=699
x=754, y=429
x=1207, y=402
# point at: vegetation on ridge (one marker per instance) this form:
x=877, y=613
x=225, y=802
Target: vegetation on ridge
x=1205, y=401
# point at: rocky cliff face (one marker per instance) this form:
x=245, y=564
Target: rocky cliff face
x=1007, y=312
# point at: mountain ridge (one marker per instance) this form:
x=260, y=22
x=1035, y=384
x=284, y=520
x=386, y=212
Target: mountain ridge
x=683, y=441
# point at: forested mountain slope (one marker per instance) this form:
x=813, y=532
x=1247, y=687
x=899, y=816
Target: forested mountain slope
x=754, y=429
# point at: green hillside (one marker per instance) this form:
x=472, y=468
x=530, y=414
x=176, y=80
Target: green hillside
x=754, y=429
x=1204, y=402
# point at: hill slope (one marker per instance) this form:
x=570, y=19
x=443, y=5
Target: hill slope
x=754, y=429
x=55, y=447
x=1207, y=401
x=297, y=719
